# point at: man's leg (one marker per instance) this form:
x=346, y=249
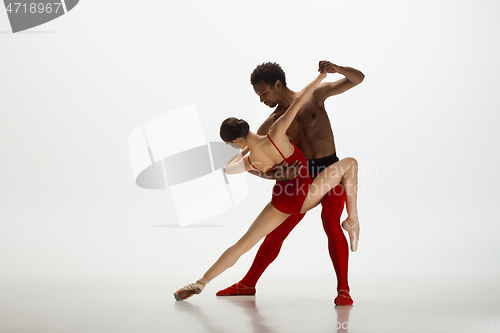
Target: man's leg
x=268, y=251
x=333, y=205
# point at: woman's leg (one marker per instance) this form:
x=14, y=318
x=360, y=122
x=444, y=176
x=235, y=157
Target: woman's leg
x=344, y=171
x=269, y=219
x=267, y=253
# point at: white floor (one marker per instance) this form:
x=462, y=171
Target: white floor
x=412, y=304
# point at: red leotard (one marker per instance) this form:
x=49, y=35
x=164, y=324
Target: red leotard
x=288, y=196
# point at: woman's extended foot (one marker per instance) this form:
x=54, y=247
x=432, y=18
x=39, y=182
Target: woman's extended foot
x=351, y=225
x=188, y=291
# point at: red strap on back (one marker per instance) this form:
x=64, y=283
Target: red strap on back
x=275, y=146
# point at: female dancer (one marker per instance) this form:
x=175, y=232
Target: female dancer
x=289, y=197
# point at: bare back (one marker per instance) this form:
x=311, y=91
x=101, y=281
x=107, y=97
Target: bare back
x=265, y=155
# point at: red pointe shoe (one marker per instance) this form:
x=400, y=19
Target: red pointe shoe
x=237, y=289
x=343, y=298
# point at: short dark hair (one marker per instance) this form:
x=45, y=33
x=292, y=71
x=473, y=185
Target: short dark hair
x=269, y=72
x=233, y=128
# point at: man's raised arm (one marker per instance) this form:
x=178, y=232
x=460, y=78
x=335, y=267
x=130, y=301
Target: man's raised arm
x=352, y=77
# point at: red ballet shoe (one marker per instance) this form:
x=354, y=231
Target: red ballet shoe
x=343, y=298
x=237, y=289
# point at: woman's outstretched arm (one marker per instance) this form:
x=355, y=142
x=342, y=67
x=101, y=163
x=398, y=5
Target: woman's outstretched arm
x=238, y=164
x=281, y=125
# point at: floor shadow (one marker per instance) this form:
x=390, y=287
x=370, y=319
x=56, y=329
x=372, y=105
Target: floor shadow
x=195, y=311
x=257, y=320
x=247, y=303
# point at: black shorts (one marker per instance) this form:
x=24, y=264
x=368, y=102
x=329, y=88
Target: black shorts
x=317, y=165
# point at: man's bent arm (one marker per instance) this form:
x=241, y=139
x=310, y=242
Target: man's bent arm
x=352, y=78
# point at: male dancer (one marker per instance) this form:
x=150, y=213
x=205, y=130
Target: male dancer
x=311, y=132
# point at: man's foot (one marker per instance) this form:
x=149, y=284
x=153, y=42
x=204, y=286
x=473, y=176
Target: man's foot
x=188, y=291
x=237, y=289
x=351, y=225
x=343, y=298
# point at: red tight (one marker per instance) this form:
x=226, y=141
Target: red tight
x=333, y=205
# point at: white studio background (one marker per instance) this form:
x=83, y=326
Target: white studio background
x=423, y=126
